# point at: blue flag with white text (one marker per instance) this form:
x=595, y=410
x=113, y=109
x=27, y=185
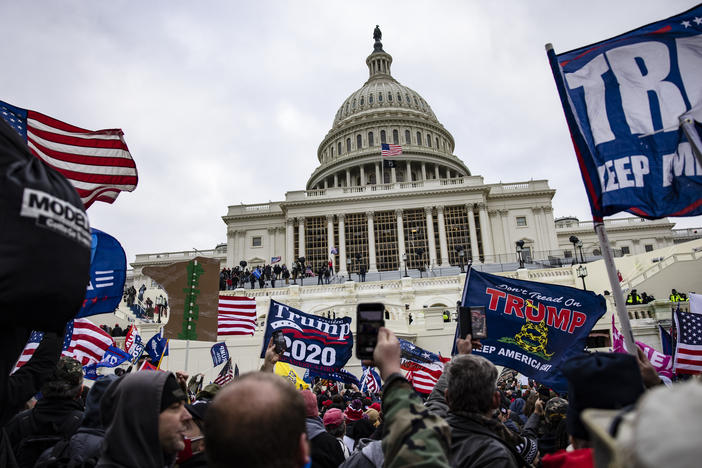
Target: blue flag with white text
x=624, y=99
x=342, y=375
x=219, y=353
x=108, y=270
x=113, y=357
x=157, y=346
x=532, y=327
x=312, y=341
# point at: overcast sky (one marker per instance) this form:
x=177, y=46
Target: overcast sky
x=226, y=102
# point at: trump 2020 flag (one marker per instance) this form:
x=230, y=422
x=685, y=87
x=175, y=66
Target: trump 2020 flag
x=108, y=271
x=312, y=341
x=532, y=327
x=624, y=100
x=219, y=353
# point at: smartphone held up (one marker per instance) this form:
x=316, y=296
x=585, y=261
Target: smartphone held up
x=472, y=321
x=369, y=319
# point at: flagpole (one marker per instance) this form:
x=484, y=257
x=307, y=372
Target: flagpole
x=165, y=348
x=608, y=257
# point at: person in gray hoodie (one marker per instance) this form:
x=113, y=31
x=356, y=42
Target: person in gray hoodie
x=149, y=421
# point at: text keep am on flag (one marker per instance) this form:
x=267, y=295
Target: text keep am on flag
x=97, y=163
x=312, y=341
x=624, y=99
x=108, y=271
x=532, y=327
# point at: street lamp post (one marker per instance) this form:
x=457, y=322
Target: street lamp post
x=580, y=247
x=582, y=273
x=574, y=240
x=520, y=246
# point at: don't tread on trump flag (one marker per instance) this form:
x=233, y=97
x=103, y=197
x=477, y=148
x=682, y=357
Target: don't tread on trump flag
x=633, y=105
x=532, y=327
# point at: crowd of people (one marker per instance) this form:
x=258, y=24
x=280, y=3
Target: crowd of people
x=471, y=418
x=243, y=276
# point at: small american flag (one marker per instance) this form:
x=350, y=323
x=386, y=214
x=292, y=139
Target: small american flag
x=236, y=315
x=97, y=163
x=387, y=150
x=423, y=377
x=688, y=351
x=85, y=341
x=226, y=374
x=370, y=380
x=33, y=343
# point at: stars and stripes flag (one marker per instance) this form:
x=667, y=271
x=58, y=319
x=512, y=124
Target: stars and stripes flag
x=387, y=150
x=236, y=315
x=226, y=374
x=32, y=344
x=370, y=380
x=85, y=341
x=423, y=377
x=688, y=349
x=97, y=163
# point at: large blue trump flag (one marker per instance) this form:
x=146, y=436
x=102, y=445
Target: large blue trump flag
x=532, y=327
x=624, y=100
x=312, y=341
x=108, y=270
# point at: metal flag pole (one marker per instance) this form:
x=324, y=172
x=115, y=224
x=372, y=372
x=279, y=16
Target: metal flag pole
x=608, y=257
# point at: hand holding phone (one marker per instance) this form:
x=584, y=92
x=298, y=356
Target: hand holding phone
x=279, y=342
x=369, y=319
x=472, y=321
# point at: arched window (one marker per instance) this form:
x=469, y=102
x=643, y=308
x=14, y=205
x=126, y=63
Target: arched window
x=415, y=101
x=338, y=147
x=348, y=145
x=395, y=137
x=361, y=100
x=419, y=139
x=382, y=136
x=380, y=97
x=429, y=140
x=389, y=96
x=359, y=142
x=331, y=149
x=353, y=105
x=437, y=142
x=399, y=97
x=408, y=99
x=370, y=99
x=371, y=142
x=407, y=137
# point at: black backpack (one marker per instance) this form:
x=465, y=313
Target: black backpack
x=61, y=457
x=32, y=444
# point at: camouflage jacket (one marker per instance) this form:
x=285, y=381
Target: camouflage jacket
x=412, y=435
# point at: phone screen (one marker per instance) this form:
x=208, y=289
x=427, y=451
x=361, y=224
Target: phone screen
x=279, y=342
x=464, y=322
x=478, y=322
x=369, y=319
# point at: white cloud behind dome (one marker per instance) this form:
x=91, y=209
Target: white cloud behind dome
x=226, y=102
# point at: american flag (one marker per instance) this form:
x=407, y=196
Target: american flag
x=236, y=315
x=424, y=378
x=387, y=150
x=97, y=163
x=226, y=374
x=370, y=380
x=33, y=343
x=688, y=350
x=85, y=341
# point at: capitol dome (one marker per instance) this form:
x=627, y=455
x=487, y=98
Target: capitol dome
x=384, y=111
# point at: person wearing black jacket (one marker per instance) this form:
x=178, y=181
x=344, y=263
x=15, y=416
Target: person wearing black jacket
x=325, y=450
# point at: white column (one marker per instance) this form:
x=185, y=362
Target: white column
x=485, y=231
x=442, y=236
x=270, y=246
x=363, y=176
x=505, y=231
x=326, y=183
x=378, y=180
x=551, y=228
x=330, y=239
x=474, y=252
x=280, y=243
x=348, y=178
x=301, y=236
x=289, y=242
x=408, y=178
x=424, y=171
x=430, y=235
x=400, y=238
x=540, y=240
x=393, y=177
x=342, y=245
x=231, y=247
x=372, y=266
x=336, y=180
x=436, y=171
